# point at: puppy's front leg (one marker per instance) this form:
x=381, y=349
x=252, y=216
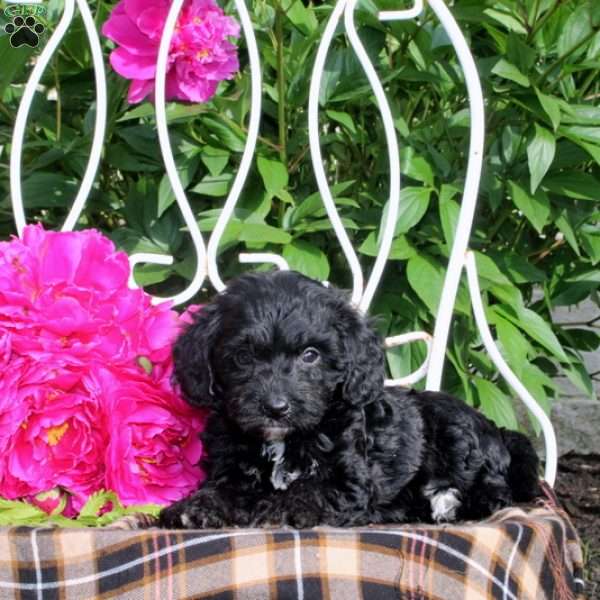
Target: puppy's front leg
x=208, y=508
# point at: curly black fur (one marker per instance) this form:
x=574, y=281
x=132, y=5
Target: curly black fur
x=302, y=431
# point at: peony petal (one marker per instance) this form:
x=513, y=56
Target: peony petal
x=139, y=89
x=132, y=66
x=151, y=22
x=59, y=258
x=121, y=30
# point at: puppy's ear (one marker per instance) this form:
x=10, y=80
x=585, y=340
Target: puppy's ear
x=192, y=357
x=364, y=371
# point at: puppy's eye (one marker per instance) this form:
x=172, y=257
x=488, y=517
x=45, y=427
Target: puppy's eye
x=310, y=355
x=243, y=357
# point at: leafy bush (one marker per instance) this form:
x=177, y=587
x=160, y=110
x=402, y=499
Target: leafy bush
x=537, y=232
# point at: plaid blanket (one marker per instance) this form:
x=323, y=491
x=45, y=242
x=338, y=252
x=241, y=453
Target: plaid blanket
x=518, y=554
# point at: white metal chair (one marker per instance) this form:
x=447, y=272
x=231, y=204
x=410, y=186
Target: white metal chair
x=362, y=291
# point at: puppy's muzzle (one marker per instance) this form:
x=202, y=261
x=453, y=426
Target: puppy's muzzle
x=276, y=406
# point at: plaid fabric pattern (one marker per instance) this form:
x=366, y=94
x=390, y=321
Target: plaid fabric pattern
x=518, y=554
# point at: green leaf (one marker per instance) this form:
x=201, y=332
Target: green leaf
x=260, y=232
x=495, y=405
x=580, y=378
x=487, y=269
x=534, y=379
x=45, y=190
x=563, y=224
x=507, y=294
x=582, y=339
x=414, y=166
x=343, y=118
x=538, y=329
x=174, y=111
x=20, y=513
x=215, y=159
x=12, y=60
x=509, y=21
x=518, y=268
x=515, y=347
x=307, y=258
x=166, y=197
x=576, y=28
x=225, y=133
x=96, y=501
x=578, y=185
x=214, y=185
x=540, y=154
x=509, y=71
x=331, y=75
x=414, y=202
x=581, y=114
x=405, y=359
x=575, y=288
x=535, y=207
x=426, y=278
x=301, y=16
x=255, y=203
x=449, y=213
x=400, y=250
x=551, y=107
x=592, y=149
x=273, y=173
x=590, y=241
x=313, y=204
x=578, y=133
x=151, y=274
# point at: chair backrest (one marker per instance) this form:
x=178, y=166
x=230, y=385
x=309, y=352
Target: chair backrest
x=362, y=290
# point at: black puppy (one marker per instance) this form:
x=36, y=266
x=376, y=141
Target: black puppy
x=302, y=431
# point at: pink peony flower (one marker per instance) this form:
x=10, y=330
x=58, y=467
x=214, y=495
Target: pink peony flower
x=85, y=378
x=154, y=447
x=200, y=55
x=57, y=434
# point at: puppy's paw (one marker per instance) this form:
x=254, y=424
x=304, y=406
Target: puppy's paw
x=190, y=517
x=196, y=512
x=444, y=505
x=172, y=517
x=304, y=519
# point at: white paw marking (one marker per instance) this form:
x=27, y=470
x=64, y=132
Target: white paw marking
x=444, y=505
x=186, y=521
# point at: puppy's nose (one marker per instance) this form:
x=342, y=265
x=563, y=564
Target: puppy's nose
x=277, y=406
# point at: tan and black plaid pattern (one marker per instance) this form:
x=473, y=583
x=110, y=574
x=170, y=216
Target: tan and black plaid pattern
x=518, y=554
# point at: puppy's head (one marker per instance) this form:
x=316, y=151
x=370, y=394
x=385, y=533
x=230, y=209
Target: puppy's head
x=276, y=352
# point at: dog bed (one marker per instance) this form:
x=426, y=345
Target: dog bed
x=520, y=553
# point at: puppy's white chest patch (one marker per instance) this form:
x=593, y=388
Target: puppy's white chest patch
x=281, y=477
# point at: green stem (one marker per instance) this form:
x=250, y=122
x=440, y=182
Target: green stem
x=7, y=113
x=500, y=220
x=564, y=57
x=536, y=8
x=537, y=26
x=240, y=128
x=589, y=80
